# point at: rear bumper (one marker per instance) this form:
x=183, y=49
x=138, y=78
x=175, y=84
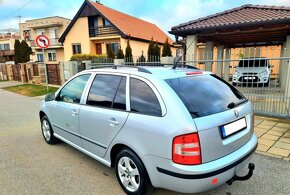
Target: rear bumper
x=191, y=179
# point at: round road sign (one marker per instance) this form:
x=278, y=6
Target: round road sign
x=42, y=41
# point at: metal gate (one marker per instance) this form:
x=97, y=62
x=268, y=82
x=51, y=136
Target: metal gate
x=16, y=69
x=53, y=75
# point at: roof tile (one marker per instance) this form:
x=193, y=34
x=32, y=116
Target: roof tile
x=245, y=14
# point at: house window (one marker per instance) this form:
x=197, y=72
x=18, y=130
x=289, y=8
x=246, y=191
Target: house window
x=39, y=57
x=114, y=47
x=77, y=49
x=35, y=70
x=106, y=22
x=51, y=56
x=6, y=46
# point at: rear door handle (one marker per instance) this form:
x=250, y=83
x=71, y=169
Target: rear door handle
x=113, y=121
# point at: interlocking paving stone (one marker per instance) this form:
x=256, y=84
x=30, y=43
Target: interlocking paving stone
x=281, y=129
x=287, y=135
x=271, y=137
x=277, y=133
x=285, y=140
x=286, y=158
x=282, y=145
x=259, y=134
x=263, y=148
x=269, y=123
x=260, y=130
x=278, y=151
x=266, y=142
x=265, y=126
x=285, y=125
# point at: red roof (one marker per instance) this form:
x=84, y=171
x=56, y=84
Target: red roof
x=132, y=26
x=246, y=14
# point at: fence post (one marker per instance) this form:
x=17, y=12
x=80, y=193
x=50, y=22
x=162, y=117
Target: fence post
x=227, y=64
x=220, y=56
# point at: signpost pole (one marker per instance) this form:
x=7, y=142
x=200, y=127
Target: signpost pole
x=45, y=71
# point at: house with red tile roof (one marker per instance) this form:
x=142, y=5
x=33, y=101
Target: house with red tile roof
x=97, y=28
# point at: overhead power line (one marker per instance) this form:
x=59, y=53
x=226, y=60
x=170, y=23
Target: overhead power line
x=19, y=8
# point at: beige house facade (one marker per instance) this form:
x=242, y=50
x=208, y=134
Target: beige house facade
x=97, y=28
x=53, y=28
x=7, y=41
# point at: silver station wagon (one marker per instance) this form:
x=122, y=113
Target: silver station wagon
x=180, y=129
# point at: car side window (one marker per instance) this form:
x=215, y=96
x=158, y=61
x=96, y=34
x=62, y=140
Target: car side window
x=72, y=91
x=103, y=90
x=142, y=99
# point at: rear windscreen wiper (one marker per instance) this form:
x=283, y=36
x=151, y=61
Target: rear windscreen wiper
x=233, y=104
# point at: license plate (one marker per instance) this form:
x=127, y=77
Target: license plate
x=233, y=127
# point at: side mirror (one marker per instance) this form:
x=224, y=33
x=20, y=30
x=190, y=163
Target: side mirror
x=49, y=97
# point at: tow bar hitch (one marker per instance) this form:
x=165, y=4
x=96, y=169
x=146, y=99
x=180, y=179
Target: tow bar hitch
x=246, y=177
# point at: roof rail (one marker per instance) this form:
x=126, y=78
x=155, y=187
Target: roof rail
x=140, y=69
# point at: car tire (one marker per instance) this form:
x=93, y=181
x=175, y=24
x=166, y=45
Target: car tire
x=47, y=131
x=267, y=84
x=131, y=173
x=234, y=84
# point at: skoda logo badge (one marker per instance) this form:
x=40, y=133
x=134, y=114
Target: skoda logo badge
x=236, y=113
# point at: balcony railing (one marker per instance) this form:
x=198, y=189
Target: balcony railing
x=103, y=31
x=53, y=43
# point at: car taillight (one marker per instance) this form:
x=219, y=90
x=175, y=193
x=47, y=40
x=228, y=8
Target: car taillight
x=186, y=149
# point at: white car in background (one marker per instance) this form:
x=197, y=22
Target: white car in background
x=252, y=71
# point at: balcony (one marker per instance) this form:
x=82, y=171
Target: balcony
x=103, y=31
x=53, y=43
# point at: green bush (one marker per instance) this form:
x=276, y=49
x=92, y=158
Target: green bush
x=84, y=57
x=120, y=54
x=166, y=51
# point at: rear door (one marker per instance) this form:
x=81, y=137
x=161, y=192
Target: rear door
x=221, y=113
x=105, y=112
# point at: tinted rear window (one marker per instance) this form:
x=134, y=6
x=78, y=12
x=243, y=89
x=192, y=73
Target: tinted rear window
x=205, y=95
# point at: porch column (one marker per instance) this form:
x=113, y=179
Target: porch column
x=283, y=66
x=220, y=56
x=286, y=74
x=208, y=55
x=191, y=47
x=227, y=64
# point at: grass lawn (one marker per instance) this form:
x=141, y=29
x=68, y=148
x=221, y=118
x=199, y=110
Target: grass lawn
x=31, y=90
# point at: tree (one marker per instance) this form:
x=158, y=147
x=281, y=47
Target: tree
x=166, y=50
x=157, y=52
x=110, y=54
x=120, y=54
x=17, y=52
x=26, y=51
x=141, y=59
x=128, y=52
x=151, y=51
x=22, y=52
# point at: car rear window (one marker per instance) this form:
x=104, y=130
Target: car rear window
x=205, y=95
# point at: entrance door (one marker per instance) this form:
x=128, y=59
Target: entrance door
x=99, y=48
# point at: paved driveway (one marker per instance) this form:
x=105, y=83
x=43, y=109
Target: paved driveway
x=30, y=166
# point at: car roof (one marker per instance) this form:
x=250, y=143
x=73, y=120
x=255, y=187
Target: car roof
x=161, y=72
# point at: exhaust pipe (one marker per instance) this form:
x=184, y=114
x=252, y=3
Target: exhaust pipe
x=251, y=168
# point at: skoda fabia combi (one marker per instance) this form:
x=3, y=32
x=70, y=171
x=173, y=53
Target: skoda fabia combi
x=180, y=129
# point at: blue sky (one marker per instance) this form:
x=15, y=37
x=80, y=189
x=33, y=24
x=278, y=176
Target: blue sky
x=164, y=13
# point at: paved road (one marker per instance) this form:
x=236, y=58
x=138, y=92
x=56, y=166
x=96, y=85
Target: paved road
x=30, y=166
